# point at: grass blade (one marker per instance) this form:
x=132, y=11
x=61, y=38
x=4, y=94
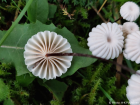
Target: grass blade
x=16, y=22
x=107, y=95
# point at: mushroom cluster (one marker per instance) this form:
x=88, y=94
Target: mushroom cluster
x=131, y=11
x=108, y=39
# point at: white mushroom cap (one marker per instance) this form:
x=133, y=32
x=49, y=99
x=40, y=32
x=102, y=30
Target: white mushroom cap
x=106, y=40
x=133, y=89
x=132, y=46
x=120, y=26
x=130, y=11
x=129, y=27
x=125, y=55
x=35, y=55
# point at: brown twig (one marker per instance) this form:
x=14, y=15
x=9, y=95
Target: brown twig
x=99, y=14
x=120, y=57
x=118, y=19
x=91, y=56
x=17, y=10
x=102, y=6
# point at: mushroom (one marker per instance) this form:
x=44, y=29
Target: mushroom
x=36, y=59
x=130, y=11
x=133, y=89
x=120, y=27
x=129, y=27
x=125, y=55
x=132, y=49
x=106, y=40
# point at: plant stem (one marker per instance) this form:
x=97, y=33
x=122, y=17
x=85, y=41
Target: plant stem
x=17, y=11
x=18, y=7
x=16, y=22
x=99, y=14
x=120, y=57
x=118, y=68
x=81, y=74
x=91, y=56
x=101, y=6
x=2, y=8
x=107, y=95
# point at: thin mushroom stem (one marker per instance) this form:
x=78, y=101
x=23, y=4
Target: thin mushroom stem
x=91, y=56
x=118, y=19
x=118, y=68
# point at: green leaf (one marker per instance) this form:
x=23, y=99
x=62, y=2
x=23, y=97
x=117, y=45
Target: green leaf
x=52, y=10
x=4, y=1
x=15, y=57
x=38, y=10
x=56, y=87
x=101, y=2
x=120, y=0
x=4, y=90
x=8, y=102
x=25, y=79
x=66, y=1
x=12, y=49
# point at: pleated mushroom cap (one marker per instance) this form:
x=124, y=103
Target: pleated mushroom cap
x=106, y=40
x=129, y=27
x=130, y=11
x=120, y=27
x=133, y=89
x=132, y=46
x=125, y=55
x=48, y=67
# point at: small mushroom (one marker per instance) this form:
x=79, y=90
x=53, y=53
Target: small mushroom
x=106, y=40
x=133, y=89
x=130, y=11
x=132, y=46
x=120, y=26
x=129, y=27
x=36, y=59
x=125, y=55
